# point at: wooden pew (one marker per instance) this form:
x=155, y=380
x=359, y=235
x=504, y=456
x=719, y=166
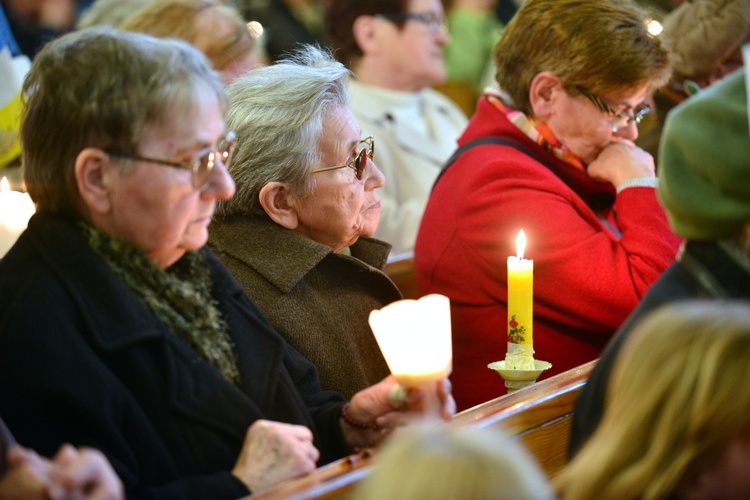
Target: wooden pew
x=400, y=268
x=538, y=416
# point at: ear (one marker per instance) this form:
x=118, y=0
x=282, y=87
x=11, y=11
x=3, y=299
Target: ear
x=365, y=31
x=274, y=198
x=543, y=94
x=94, y=172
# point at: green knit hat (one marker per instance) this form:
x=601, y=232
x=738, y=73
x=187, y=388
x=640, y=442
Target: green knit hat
x=704, y=162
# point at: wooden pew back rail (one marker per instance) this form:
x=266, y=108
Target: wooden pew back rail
x=538, y=416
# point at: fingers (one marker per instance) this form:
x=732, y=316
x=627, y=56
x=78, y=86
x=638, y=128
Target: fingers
x=274, y=452
x=86, y=473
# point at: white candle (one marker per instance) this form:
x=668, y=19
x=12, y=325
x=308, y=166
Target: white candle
x=15, y=211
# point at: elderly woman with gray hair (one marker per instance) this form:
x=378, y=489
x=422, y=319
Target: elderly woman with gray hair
x=297, y=233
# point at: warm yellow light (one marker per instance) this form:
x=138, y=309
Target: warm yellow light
x=654, y=27
x=520, y=244
x=255, y=29
x=15, y=211
x=415, y=338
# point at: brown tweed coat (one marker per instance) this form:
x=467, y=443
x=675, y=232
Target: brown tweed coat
x=318, y=300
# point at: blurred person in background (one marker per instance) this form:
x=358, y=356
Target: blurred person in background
x=675, y=420
x=703, y=171
x=395, y=50
x=705, y=39
x=473, y=462
x=216, y=29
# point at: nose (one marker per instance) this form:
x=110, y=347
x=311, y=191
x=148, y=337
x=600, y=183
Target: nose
x=443, y=38
x=629, y=131
x=219, y=184
x=374, y=178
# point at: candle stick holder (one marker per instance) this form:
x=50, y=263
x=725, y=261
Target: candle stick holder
x=518, y=379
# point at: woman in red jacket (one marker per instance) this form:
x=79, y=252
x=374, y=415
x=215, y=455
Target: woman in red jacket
x=574, y=76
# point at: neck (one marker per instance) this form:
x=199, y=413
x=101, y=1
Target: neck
x=372, y=74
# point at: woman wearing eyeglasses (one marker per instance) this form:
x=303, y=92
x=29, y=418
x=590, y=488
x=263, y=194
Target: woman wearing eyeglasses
x=119, y=329
x=395, y=50
x=297, y=235
x=573, y=78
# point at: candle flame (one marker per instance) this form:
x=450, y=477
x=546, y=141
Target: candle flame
x=520, y=244
x=4, y=185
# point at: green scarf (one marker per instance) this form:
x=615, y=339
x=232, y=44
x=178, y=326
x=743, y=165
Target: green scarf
x=179, y=297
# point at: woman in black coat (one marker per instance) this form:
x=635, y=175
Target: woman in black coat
x=119, y=330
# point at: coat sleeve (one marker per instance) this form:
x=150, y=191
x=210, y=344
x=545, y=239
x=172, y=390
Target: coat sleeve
x=325, y=406
x=55, y=389
x=584, y=275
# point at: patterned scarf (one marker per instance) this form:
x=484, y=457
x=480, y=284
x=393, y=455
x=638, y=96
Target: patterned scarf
x=536, y=131
x=179, y=297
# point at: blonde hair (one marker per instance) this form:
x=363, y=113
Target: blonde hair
x=677, y=396
x=602, y=45
x=197, y=22
x=421, y=462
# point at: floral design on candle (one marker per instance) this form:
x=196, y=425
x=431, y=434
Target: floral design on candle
x=520, y=354
x=516, y=331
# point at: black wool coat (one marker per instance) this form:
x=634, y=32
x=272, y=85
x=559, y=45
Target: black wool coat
x=82, y=360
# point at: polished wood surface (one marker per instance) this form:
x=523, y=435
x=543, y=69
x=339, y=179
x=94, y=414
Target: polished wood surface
x=400, y=268
x=538, y=416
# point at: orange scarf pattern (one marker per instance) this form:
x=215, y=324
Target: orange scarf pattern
x=537, y=131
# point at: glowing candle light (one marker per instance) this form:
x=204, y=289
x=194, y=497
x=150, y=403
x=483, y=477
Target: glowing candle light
x=415, y=339
x=520, y=354
x=15, y=210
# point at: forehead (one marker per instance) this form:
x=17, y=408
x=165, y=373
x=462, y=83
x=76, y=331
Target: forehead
x=340, y=131
x=196, y=115
x=630, y=97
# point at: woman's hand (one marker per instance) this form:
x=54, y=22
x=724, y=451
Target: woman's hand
x=385, y=406
x=622, y=161
x=84, y=473
x=274, y=452
x=72, y=474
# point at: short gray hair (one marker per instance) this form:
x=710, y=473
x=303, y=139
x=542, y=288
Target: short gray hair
x=277, y=113
x=101, y=88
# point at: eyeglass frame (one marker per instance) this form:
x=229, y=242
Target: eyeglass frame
x=224, y=148
x=359, y=162
x=621, y=120
x=436, y=23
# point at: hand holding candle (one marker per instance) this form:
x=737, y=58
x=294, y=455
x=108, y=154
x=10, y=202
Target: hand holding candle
x=15, y=210
x=415, y=338
x=520, y=354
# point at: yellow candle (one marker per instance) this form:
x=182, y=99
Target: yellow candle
x=520, y=308
x=15, y=210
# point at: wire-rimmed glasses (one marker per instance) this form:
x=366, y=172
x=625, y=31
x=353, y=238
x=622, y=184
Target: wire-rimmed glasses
x=435, y=22
x=621, y=120
x=200, y=167
x=359, y=162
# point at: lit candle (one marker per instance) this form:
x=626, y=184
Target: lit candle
x=15, y=210
x=520, y=309
x=415, y=339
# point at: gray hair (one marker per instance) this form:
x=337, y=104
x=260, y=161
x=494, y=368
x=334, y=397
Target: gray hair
x=277, y=113
x=101, y=88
